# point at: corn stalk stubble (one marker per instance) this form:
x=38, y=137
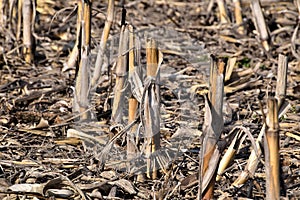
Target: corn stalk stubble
x=212, y=129
x=132, y=102
x=260, y=24
x=151, y=110
x=283, y=106
x=102, y=46
x=82, y=86
x=73, y=58
x=271, y=147
x=28, y=40
x=238, y=16
x=121, y=76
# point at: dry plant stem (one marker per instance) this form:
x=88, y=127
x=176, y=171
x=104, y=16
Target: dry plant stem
x=281, y=79
x=87, y=20
x=222, y=11
x=295, y=34
x=260, y=24
x=121, y=72
x=133, y=103
x=213, y=127
x=151, y=110
x=230, y=66
x=102, y=45
x=271, y=146
x=82, y=86
x=238, y=16
x=229, y=155
x=280, y=95
x=28, y=51
x=73, y=58
x=1, y=14
x=19, y=24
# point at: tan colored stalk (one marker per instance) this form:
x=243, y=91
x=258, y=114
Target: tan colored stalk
x=281, y=79
x=102, y=46
x=230, y=66
x=74, y=56
x=152, y=107
x=253, y=160
x=260, y=24
x=28, y=49
x=1, y=14
x=87, y=20
x=238, y=16
x=271, y=146
x=295, y=34
x=133, y=103
x=222, y=12
x=121, y=73
x=82, y=86
x=19, y=23
x=212, y=128
x=229, y=155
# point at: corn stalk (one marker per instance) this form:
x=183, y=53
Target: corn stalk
x=82, y=86
x=212, y=129
x=260, y=24
x=132, y=102
x=121, y=75
x=74, y=56
x=271, y=147
x=295, y=34
x=253, y=160
x=222, y=12
x=28, y=41
x=100, y=56
x=238, y=16
x=281, y=79
x=151, y=107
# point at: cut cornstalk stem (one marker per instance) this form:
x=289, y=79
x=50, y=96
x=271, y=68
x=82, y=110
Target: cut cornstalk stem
x=1, y=14
x=271, y=146
x=212, y=129
x=230, y=66
x=87, y=20
x=100, y=55
x=253, y=160
x=19, y=23
x=281, y=79
x=121, y=73
x=28, y=50
x=152, y=107
x=238, y=16
x=229, y=155
x=74, y=56
x=132, y=102
x=222, y=12
x=82, y=86
x=260, y=24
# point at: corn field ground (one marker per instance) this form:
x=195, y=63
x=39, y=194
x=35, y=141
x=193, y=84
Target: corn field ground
x=158, y=99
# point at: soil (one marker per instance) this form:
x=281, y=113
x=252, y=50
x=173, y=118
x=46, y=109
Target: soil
x=39, y=159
